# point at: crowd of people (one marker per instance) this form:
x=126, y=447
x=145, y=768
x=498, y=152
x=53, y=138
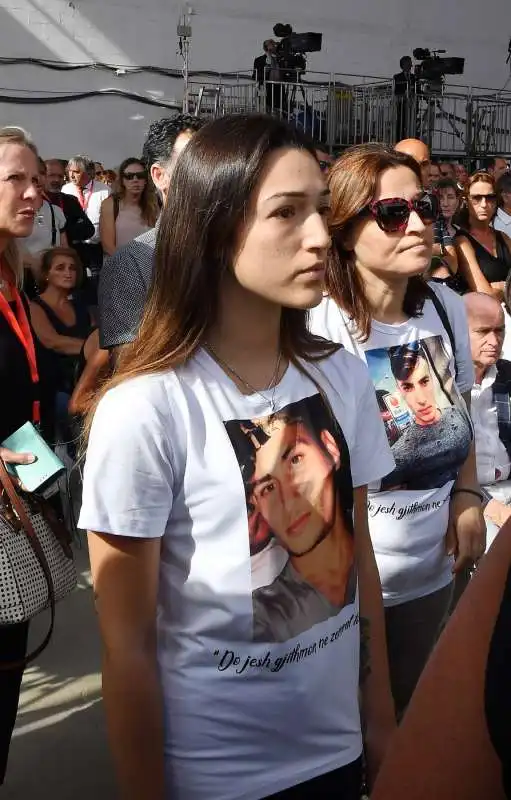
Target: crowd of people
x=288, y=374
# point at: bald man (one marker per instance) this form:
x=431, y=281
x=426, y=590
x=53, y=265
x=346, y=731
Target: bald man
x=445, y=259
x=420, y=152
x=491, y=406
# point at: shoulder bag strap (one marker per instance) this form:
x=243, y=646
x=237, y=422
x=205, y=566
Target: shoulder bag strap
x=53, y=226
x=28, y=529
x=442, y=313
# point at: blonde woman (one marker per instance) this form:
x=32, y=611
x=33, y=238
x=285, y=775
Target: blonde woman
x=18, y=368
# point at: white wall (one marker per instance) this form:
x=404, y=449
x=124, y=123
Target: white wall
x=360, y=37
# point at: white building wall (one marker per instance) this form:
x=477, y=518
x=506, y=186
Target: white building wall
x=359, y=37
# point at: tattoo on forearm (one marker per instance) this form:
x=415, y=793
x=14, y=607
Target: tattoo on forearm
x=365, y=653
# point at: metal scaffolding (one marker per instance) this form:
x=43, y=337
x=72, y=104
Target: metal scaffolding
x=340, y=110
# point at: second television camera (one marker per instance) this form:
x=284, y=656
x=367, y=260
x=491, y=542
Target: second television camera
x=433, y=67
x=292, y=49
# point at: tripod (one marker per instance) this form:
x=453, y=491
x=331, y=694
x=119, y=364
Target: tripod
x=429, y=110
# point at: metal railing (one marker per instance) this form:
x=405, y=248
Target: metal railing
x=343, y=110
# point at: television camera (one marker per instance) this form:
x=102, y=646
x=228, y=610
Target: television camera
x=433, y=66
x=292, y=50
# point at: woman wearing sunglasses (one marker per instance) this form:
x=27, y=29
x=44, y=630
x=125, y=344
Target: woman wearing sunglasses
x=425, y=518
x=130, y=211
x=484, y=254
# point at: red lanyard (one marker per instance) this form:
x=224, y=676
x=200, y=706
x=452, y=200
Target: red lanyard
x=84, y=202
x=21, y=327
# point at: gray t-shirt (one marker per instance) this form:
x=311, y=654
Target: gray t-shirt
x=290, y=605
x=442, y=446
x=123, y=286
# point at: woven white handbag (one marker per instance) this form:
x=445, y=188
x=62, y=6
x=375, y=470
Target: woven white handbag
x=36, y=560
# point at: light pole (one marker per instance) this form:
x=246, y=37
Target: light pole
x=184, y=34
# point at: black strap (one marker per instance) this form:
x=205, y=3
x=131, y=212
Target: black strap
x=442, y=313
x=53, y=226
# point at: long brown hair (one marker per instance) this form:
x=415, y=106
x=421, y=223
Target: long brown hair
x=481, y=176
x=147, y=202
x=353, y=184
x=11, y=256
x=208, y=204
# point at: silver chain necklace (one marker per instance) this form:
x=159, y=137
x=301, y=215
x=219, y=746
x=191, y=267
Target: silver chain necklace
x=273, y=382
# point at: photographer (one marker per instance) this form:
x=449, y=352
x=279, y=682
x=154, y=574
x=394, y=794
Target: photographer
x=267, y=74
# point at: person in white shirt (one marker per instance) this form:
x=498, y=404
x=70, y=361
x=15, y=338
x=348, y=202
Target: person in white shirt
x=225, y=498
x=491, y=406
x=425, y=518
x=90, y=193
x=49, y=231
x=502, y=220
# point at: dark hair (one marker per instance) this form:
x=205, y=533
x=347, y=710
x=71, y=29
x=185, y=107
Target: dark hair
x=161, y=137
x=147, y=203
x=503, y=185
x=248, y=436
x=209, y=202
x=403, y=60
x=404, y=360
x=353, y=180
x=449, y=183
x=490, y=163
x=49, y=257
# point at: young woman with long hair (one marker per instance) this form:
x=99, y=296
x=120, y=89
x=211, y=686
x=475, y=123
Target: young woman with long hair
x=225, y=497
x=380, y=308
x=19, y=375
x=484, y=253
x=131, y=210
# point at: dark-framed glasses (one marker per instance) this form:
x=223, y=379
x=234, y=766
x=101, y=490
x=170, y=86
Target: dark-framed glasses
x=392, y=213
x=478, y=198
x=130, y=176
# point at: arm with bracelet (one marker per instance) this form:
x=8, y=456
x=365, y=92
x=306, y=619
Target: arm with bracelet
x=466, y=533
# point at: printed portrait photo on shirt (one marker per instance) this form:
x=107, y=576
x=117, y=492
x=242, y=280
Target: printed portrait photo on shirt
x=422, y=413
x=296, y=473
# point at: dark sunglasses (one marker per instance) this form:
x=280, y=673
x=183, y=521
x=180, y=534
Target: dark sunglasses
x=392, y=214
x=478, y=198
x=130, y=176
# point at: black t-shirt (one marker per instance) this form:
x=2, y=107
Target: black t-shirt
x=16, y=388
x=498, y=687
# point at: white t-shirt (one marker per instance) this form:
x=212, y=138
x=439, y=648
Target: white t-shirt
x=94, y=194
x=259, y=666
x=41, y=237
x=492, y=457
x=429, y=430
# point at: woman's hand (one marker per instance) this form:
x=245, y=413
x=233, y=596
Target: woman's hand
x=466, y=533
x=9, y=457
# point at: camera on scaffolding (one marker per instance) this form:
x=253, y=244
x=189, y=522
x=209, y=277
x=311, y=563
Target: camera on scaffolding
x=292, y=50
x=433, y=66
